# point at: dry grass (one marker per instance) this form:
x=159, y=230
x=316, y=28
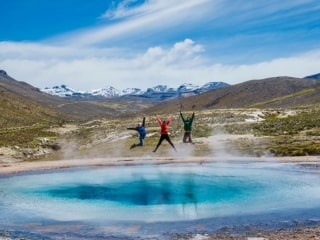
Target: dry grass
x=260, y=136
x=278, y=132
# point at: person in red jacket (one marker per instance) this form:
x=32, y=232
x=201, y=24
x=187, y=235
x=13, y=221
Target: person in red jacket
x=164, y=125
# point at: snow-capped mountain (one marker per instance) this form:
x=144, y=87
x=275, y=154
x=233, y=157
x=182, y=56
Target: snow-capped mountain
x=106, y=92
x=63, y=91
x=213, y=85
x=157, y=92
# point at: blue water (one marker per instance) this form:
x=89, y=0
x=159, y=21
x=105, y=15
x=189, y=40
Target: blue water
x=166, y=188
x=152, y=194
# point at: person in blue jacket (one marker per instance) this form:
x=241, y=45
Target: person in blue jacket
x=141, y=129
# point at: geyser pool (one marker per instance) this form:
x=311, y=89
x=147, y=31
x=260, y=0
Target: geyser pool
x=155, y=193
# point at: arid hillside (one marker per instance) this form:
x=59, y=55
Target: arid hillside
x=76, y=109
x=265, y=93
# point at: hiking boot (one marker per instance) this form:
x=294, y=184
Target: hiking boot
x=132, y=146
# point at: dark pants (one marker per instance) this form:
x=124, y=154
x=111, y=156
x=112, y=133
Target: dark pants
x=141, y=141
x=187, y=137
x=166, y=137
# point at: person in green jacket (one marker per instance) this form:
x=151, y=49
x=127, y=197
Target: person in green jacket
x=187, y=128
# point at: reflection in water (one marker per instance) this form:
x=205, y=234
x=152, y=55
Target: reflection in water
x=139, y=192
x=189, y=192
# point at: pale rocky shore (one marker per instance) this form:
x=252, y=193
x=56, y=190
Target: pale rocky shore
x=300, y=233
x=305, y=233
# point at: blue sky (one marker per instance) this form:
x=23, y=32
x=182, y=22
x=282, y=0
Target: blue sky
x=89, y=44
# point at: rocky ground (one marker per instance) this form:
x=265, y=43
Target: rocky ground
x=304, y=233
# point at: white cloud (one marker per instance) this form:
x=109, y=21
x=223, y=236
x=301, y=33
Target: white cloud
x=153, y=15
x=26, y=50
x=86, y=68
x=295, y=66
x=43, y=65
x=182, y=52
x=124, y=9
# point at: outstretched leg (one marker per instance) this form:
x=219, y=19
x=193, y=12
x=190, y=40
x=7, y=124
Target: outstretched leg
x=159, y=143
x=169, y=141
x=141, y=142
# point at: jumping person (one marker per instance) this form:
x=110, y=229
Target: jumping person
x=140, y=128
x=187, y=128
x=164, y=132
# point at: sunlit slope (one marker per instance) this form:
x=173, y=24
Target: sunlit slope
x=271, y=92
x=18, y=111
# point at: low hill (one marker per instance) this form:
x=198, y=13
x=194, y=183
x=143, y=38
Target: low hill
x=19, y=104
x=18, y=111
x=23, y=121
x=264, y=93
x=12, y=89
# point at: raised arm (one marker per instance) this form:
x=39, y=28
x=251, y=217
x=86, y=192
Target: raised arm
x=169, y=120
x=159, y=121
x=192, y=117
x=143, y=121
x=181, y=115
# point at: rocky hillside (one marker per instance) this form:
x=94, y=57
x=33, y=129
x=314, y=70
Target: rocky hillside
x=264, y=93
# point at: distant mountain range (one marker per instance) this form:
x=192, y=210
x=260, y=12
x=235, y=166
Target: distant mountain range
x=20, y=100
x=158, y=92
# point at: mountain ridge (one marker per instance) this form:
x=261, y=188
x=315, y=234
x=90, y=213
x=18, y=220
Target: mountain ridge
x=273, y=92
x=269, y=92
x=157, y=92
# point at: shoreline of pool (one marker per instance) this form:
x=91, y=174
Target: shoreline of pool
x=29, y=166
